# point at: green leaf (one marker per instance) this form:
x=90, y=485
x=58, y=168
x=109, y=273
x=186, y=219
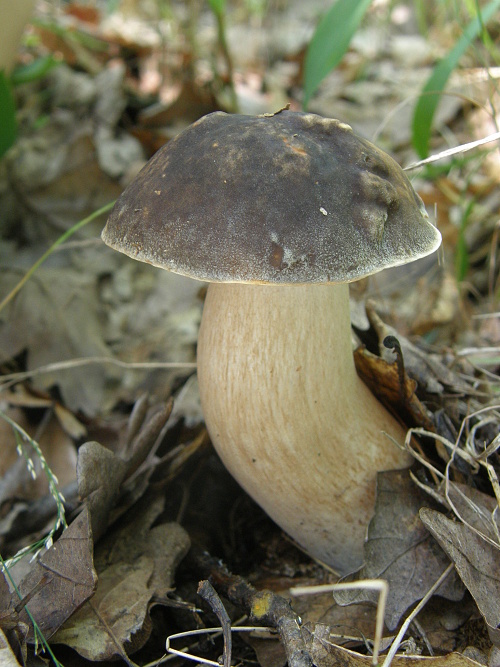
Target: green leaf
x=33, y=71
x=433, y=89
x=330, y=42
x=8, y=125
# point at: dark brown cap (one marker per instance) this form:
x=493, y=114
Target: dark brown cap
x=284, y=198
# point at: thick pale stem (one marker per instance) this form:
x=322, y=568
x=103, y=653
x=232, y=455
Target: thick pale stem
x=289, y=416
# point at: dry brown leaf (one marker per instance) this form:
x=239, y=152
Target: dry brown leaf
x=100, y=474
x=55, y=318
x=7, y=657
x=63, y=576
x=476, y=561
x=476, y=508
x=118, y=610
x=136, y=564
x=398, y=549
x=16, y=480
x=12, y=632
x=383, y=380
x=326, y=654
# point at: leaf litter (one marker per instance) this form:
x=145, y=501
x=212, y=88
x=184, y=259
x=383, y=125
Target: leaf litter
x=87, y=303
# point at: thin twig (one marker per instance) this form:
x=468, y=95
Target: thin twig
x=264, y=606
x=13, y=378
x=209, y=594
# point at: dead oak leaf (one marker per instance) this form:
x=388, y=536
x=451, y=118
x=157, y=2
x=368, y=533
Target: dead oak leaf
x=400, y=551
x=476, y=561
x=136, y=562
x=327, y=654
x=100, y=473
x=384, y=381
x=55, y=318
x=64, y=577
x=115, y=616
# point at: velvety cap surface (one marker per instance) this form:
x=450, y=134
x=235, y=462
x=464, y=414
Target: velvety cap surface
x=284, y=198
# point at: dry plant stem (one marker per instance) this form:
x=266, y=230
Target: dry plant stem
x=264, y=607
x=404, y=628
x=289, y=416
x=11, y=379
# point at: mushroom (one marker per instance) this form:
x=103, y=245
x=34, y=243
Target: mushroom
x=279, y=213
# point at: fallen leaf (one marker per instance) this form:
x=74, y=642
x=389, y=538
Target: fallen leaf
x=399, y=550
x=383, y=380
x=65, y=577
x=136, y=564
x=477, y=509
x=7, y=657
x=54, y=318
x=100, y=474
x=326, y=654
x=476, y=561
x=12, y=631
x=116, y=613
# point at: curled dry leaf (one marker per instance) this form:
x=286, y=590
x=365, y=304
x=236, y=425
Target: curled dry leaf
x=101, y=473
x=431, y=374
x=398, y=549
x=476, y=561
x=64, y=578
x=385, y=381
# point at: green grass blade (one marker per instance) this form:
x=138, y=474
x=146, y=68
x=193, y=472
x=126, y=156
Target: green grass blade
x=218, y=6
x=56, y=244
x=430, y=95
x=34, y=70
x=330, y=42
x=8, y=125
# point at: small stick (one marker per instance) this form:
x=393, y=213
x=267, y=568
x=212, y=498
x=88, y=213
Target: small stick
x=209, y=594
x=264, y=606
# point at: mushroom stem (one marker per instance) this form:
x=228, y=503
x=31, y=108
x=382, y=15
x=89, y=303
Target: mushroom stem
x=289, y=416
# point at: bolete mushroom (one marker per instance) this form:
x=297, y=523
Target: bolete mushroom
x=279, y=213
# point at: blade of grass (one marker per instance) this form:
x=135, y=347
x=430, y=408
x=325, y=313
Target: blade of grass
x=431, y=93
x=461, y=250
x=36, y=628
x=330, y=42
x=61, y=239
x=8, y=125
x=34, y=71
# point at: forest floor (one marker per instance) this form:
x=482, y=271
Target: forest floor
x=114, y=485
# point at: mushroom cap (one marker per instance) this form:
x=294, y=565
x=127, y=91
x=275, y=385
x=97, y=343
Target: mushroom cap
x=283, y=198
